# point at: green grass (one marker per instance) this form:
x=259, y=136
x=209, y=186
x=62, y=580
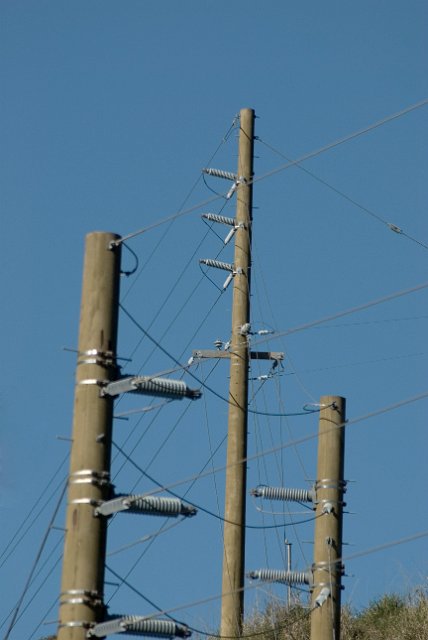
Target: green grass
x=391, y=617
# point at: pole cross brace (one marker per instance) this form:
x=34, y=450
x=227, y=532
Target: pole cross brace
x=200, y=354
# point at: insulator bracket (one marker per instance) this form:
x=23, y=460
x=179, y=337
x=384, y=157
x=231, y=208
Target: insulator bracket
x=200, y=354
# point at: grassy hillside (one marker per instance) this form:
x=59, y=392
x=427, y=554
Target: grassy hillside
x=390, y=618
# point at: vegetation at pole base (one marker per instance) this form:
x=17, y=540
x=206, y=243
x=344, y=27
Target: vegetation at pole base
x=391, y=617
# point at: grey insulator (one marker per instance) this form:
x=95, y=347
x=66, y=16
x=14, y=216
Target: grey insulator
x=276, y=575
x=217, y=264
x=214, y=217
x=138, y=625
x=220, y=173
x=165, y=387
x=159, y=506
x=155, y=628
x=283, y=493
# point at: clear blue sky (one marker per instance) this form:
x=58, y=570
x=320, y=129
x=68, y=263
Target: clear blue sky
x=109, y=110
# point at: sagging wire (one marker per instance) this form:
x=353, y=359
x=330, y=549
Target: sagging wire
x=145, y=538
x=37, y=591
x=198, y=506
x=162, y=612
x=137, y=262
x=204, y=385
x=346, y=312
x=205, y=274
x=307, y=156
x=172, y=219
x=307, y=438
x=136, y=591
x=374, y=215
x=419, y=535
x=36, y=561
x=194, y=629
x=14, y=539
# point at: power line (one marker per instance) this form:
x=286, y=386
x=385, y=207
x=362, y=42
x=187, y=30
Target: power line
x=38, y=556
x=204, y=385
x=303, y=439
x=378, y=548
x=14, y=538
x=307, y=156
x=198, y=506
x=370, y=212
x=346, y=312
x=347, y=138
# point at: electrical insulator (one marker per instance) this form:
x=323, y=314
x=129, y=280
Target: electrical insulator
x=214, y=217
x=148, y=505
x=283, y=493
x=217, y=264
x=138, y=625
x=164, y=387
x=284, y=577
x=219, y=173
x=322, y=597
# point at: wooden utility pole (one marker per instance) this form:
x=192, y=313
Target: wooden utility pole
x=81, y=600
x=330, y=488
x=234, y=527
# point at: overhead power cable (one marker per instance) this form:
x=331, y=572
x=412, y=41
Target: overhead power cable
x=405, y=540
x=202, y=383
x=376, y=216
x=198, y=506
x=292, y=443
x=307, y=156
x=36, y=561
x=346, y=312
x=20, y=532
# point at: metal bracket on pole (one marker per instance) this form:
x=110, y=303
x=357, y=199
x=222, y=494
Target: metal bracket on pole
x=201, y=354
x=147, y=385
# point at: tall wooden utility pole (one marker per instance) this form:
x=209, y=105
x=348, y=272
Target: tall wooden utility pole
x=330, y=488
x=81, y=600
x=234, y=527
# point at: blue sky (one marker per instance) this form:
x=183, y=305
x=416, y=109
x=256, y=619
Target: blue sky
x=109, y=112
